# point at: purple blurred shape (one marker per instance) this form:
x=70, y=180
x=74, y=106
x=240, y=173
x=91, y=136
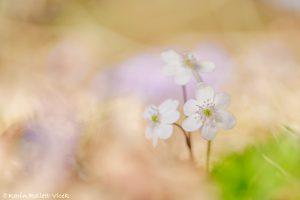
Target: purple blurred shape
x=217, y=54
x=138, y=76
x=50, y=139
x=141, y=76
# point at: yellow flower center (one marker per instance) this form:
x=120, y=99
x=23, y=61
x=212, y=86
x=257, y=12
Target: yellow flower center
x=207, y=112
x=155, y=118
x=188, y=62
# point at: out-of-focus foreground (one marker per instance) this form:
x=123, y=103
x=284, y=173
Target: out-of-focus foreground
x=76, y=75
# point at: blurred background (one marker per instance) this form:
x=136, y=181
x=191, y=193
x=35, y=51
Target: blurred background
x=76, y=75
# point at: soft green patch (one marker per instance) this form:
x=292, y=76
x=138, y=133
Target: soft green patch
x=188, y=63
x=270, y=170
x=207, y=112
x=155, y=118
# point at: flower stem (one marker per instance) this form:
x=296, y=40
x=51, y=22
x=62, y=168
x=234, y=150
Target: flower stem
x=188, y=142
x=208, y=153
x=185, y=100
x=188, y=135
x=197, y=77
x=184, y=93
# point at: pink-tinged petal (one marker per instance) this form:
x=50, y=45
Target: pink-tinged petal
x=225, y=119
x=167, y=106
x=190, y=107
x=191, y=123
x=163, y=131
x=204, y=93
x=171, y=56
x=208, y=131
x=221, y=100
x=205, y=66
x=149, y=111
x=169, y=117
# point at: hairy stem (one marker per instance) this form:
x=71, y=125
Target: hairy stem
x=208, y=153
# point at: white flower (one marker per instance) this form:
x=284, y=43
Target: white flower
x=160, y=120
x=184, y=66
x=207, y=113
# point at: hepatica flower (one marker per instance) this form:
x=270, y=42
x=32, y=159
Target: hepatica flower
x=184, y=66
x=160, y=119
x=208, y=112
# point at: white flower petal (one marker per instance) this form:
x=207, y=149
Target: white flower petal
x=221, y=100
x=205, y=66
x=225, y=119
x=149, y=111
x=171, y=57
x=163, y=131
x=190, y=107
x=191, y=56
x=208, y=131
x=167, y=106
x=149, y=132
x=169, y=117
x=191, y=123
x=154, y=140
x=170, y=69
x=183, y=77
x=205, y=93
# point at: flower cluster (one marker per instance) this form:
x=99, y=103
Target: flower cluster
x=205, y=113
